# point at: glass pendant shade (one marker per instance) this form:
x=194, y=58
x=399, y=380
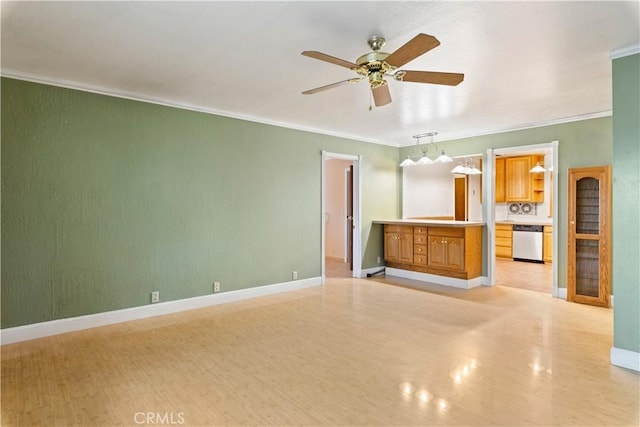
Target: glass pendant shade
x=537, y=168
x=407, y=162
x=459, y=169
x=424, y=160
x=443, y=158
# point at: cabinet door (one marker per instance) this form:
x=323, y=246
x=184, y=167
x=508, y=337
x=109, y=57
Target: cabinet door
x=406, y=248
x=455, y=252
x=518, y=181
x=500, y=182
x=437, y=254
x=391, y=247
x=589, y=237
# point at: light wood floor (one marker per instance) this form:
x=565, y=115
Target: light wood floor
x=524, y=275
x=353, y=352
x=336, y=267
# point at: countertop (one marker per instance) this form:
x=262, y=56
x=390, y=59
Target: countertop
x=434, y=222
x=534, y=221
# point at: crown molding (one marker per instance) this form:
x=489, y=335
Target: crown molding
x=625, y=51
x=68, y=84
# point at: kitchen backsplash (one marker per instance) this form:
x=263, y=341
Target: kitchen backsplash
x=520, y=211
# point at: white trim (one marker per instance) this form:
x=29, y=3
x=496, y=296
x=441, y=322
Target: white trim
x=433, y=278
x=100, y=90
x=560, y=293
x=625, y=358
x=61, y=326
x=170, y=103
x=346, y=221
x=489, y=212
x=371, y=270
x=625, y=51
x=554, y=122
x=357, y=210
x=490, y=186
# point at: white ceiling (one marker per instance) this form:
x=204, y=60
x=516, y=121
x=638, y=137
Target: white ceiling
x=525, y=63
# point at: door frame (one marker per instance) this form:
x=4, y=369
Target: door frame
x=357, y=211
x=489, y=183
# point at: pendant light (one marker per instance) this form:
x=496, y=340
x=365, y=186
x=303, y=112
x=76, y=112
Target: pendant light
x=407, y=162
x=537, y=168
x=424, y=160
x=443, y=158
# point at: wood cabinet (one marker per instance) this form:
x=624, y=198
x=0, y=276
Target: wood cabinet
x=446, y=248
x=589, y=236
x=547, y=243
x=504, y=241
x=420, y=245
x=500, y=180
x=398, y=243
x=520, y=184
x=445, y=251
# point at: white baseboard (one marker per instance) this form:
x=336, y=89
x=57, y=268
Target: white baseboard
x=561, y=293
x=371, y=270
x=61, y=326
x=625, y=358
x=433, y=278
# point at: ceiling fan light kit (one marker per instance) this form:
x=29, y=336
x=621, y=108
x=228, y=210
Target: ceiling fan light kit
x=376, y=65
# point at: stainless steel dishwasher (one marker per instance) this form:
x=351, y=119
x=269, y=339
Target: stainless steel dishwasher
x=527, y=243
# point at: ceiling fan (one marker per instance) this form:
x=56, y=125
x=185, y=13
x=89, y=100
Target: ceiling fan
x=377, y=65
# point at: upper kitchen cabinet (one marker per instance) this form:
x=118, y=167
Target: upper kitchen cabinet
x=520, y=184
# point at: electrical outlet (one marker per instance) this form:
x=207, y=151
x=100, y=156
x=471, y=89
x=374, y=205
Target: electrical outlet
x=379, y=260
x=155, y=296
x=216, y=287
x=294, y=275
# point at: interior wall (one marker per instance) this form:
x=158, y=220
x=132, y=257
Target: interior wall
x=107, y=199
x=626, y=203
x=580, y=143
x=428, y=190
x=335, y=204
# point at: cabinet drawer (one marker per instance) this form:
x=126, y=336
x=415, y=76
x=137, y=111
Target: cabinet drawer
x=393, y=228
x=446, y=231
x=420, y=230
x=504, y=241
x=420, y=239
x=419, y=249
x=503, y=252
x=420, y=259
x=504, y=227
x=504, y=233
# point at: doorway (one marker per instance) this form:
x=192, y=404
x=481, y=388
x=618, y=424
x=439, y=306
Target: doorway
x=340, y=216
x=461, y=198
x=502, y=215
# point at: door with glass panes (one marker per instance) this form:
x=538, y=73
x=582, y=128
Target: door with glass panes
x=589, y=236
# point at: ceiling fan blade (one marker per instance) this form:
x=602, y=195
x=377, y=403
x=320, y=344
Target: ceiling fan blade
x=420, y=44
x=433, y=77
x=381, y=95
x=328, y=58
x=332, y=85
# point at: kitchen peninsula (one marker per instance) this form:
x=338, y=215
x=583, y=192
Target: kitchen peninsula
x=435, y=251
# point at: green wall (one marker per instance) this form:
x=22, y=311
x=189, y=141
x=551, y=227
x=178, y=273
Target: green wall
x=106, y=199
x=626, y=202
x=580, y=143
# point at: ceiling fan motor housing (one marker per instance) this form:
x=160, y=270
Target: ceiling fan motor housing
x=373, y=66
